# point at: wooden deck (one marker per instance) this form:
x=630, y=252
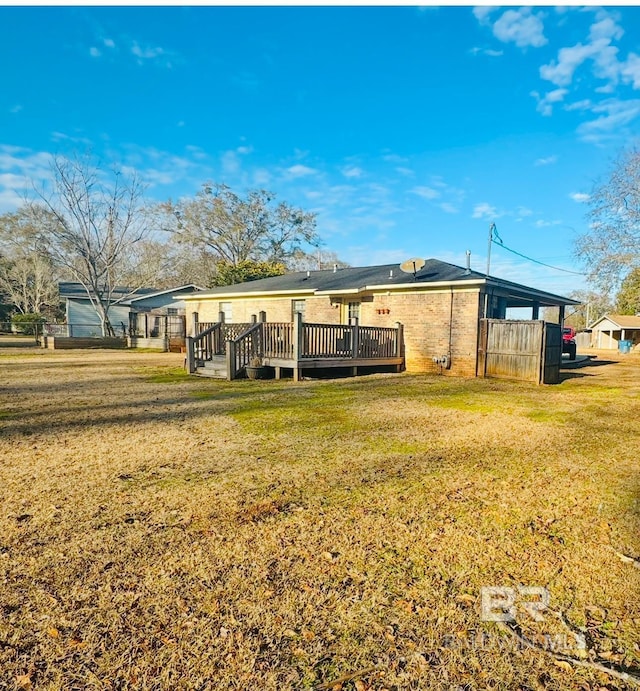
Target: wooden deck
x=295, y=346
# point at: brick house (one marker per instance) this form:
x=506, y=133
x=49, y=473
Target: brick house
x=440, y=307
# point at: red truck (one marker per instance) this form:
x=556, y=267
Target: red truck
x=569, y=342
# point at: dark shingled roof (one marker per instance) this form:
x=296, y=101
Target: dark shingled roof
x=349, y=278
x=76, y=290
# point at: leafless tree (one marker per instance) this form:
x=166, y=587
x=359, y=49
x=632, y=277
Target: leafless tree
x=27, y=274
x=96, y=221
x=237, y=229
x=611, y=246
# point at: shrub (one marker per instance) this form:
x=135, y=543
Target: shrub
x=26, y=323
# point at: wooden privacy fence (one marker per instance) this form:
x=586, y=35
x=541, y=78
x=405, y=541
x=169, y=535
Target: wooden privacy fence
x=515, y=349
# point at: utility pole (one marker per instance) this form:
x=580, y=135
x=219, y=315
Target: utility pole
x=492, y=227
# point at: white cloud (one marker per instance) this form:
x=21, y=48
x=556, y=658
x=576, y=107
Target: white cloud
x=352, y=172
x=485, y=211
x=15, y=109
x=615, y=114
x=524, y=211
x=109, y=43
x=584, y=104
x=560, y=72
x=243, y=150
x=147, y=53
x=545, y=103
x=494, y=53
x=426, y=192
x=154, y=54
x=299, y=171
x=94, y=52
x=407, y=172
x=630, y=70
x=606, y=26
x=522, y=27
x=482, y=13
x=598, y=48
x=449, y=208
x=580, y=197
x=545, y=161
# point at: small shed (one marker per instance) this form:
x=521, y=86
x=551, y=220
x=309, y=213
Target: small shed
x=608, y=331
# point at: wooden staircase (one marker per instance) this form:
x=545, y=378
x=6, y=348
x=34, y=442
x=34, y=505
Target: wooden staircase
x=216, y=368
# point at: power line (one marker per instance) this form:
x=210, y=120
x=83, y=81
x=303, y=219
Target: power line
x=498, y=241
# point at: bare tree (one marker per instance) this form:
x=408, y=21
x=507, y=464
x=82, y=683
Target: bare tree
x=315, y=261
x=236, y=229
x=611, y=246
x=27, y=275
x=96, y=222
x=593, y=305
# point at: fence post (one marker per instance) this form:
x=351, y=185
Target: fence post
x=298, y=344
x=231, y=360
x=191, y=356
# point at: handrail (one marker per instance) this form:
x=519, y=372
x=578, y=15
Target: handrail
x=241, y=350
x=208, y=343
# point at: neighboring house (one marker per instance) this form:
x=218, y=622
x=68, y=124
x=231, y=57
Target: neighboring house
x=440, y=307
x=142, y=311
x=609, y=330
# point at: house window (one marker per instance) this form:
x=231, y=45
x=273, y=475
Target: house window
x=297, y=307
x=172, y=311
x=225, y=308
x=353, y=311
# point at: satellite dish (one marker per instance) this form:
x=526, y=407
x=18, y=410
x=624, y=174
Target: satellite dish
x=412, y=266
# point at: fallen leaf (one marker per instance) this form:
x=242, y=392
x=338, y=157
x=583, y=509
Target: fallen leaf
x=23, y=681
x=563, y=665
x=54, y=633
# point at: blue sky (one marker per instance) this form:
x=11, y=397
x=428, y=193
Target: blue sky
x=407, y=130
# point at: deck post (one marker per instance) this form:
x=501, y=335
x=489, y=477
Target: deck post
x=221, y=317
x=231, y=360
x=355, y=338
x=194, y=323
x=146, y=325
x=298, y=344
x=191, y=356
x=254, y=318
x=535, y=311
x=399, y=342
x=262, y=316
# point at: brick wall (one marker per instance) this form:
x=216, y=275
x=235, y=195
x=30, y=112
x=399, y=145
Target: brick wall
x=425, y=316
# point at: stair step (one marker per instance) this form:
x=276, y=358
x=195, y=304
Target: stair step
x=212, y=373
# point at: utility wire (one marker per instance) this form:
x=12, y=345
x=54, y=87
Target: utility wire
x=497, y=240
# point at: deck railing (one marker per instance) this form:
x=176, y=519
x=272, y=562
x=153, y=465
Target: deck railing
x=326, y=340
x=295, y=342
x=377, y=342
x=338, y=340
x=277, y=340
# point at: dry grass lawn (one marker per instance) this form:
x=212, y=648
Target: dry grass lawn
x=159, y=531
